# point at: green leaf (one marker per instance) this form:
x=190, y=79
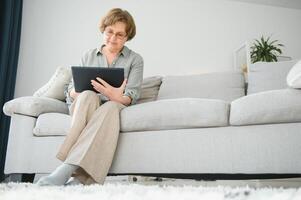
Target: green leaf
x=265, y=50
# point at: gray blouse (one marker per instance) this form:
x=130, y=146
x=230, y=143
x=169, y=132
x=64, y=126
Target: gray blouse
x=132, y=63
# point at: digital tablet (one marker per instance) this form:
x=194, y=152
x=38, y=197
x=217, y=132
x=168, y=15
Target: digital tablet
x=83, y=75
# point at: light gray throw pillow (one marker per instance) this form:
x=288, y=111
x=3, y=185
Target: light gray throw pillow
x=293, y=78
x=55, y=87
x=149, y=89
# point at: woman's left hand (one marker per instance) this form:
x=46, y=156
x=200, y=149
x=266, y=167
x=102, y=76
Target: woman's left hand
x=113, y=93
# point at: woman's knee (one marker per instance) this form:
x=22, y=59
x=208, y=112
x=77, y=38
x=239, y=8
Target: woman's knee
x=114, y=105
x=88, y=95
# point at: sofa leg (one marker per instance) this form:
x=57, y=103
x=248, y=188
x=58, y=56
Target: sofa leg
x=27, y=178
x=135, y=179
x=159, y=179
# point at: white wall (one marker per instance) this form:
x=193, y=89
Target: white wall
x=174, y=37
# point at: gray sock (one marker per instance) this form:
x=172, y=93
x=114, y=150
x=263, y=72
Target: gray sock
x=73, y=181
x=59, y=176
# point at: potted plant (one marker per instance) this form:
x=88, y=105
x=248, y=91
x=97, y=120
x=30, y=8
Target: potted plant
x=265, y=50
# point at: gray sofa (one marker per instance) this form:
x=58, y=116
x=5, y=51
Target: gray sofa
x=197, y=126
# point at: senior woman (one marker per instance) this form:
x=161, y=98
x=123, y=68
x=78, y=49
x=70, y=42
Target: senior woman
x=89, y=146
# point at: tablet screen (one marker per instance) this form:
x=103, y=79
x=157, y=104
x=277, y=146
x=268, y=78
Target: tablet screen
x=82, y=76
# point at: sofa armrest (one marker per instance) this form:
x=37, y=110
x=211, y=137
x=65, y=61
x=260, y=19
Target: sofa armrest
x=34, y=106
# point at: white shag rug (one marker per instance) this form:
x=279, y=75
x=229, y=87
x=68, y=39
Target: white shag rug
x=133, y=191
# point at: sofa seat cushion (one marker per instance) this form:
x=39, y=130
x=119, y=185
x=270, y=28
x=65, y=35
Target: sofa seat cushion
x=52, y=124
x=275, y=106
x=175, y=114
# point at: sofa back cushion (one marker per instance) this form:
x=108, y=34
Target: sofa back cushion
x=264, y=76
x=175, y=114
x=226, y=86
x=275, y=106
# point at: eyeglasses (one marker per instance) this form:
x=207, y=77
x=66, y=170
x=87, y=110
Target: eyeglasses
x=118, y=35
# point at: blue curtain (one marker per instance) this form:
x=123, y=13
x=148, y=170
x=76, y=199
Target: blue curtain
x=10, y=31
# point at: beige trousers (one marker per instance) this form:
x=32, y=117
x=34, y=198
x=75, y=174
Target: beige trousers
x=92, y=138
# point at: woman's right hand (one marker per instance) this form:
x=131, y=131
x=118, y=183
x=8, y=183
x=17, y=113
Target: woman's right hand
x=73, y=94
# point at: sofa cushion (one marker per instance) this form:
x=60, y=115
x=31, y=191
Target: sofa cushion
x=149, y=89
x=50, y=124
x=34, y=106
x=55, y=87
x=275, y=106
x=226, y=86
x=175, y=114
x=293, y=78
x=264, y=76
